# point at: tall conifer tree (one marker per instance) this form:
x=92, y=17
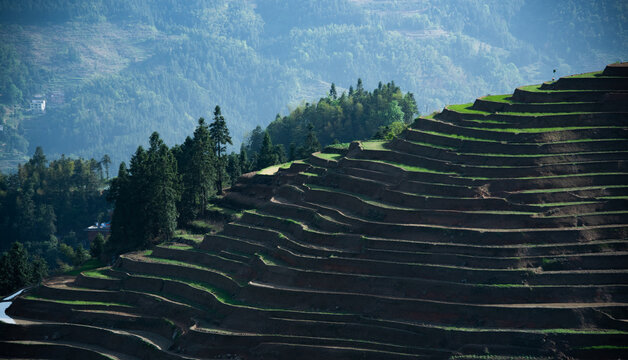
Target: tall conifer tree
x=219, y=133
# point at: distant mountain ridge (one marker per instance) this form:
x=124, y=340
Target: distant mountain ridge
x=127, y=69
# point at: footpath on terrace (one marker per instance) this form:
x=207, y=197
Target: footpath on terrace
x=492, y=230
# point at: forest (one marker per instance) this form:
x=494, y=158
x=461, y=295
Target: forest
x=119, y=71
x=45, y=205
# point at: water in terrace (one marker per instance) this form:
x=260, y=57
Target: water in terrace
x=4, y=305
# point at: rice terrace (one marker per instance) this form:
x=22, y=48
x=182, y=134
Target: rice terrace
x=491, y=230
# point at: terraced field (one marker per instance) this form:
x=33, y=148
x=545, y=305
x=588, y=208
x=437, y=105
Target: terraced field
x=497, y=230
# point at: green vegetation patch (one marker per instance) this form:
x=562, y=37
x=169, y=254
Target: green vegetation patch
x=603, y=347
x=455, y=136
x=90, y=264
x=374, y=145
x=195, y=266
x=328, y=156
x=542, y=130
x=439, y=147
x=565, y=203
x=593, y=74
x=466, y=109
x=76, y=302
x=412, y=168
x=98, y=274
x=506, y=98
x=553, y=190
x=178, y=246
x=340, y=146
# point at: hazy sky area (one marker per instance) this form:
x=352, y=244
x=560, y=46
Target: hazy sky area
x=112, y=72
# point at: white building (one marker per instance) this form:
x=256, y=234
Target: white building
x=38, y=105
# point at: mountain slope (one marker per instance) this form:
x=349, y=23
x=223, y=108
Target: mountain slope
x=494, y=229
x=113, y=73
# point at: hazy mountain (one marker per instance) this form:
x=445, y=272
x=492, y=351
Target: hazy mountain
x=113, y=72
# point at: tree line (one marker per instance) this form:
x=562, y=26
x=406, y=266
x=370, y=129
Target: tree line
x=356, y=114
x=43, y=208
x=45, y=204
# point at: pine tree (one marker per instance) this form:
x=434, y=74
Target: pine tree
x=163, y=190
x=196, y=161
x=332, y=92
x=106, y=161
x=267, y=155
x=311, y=144
x=244, y=160
x=219, y=133
x=122, y=224
x=15, y=269
x=359, y=88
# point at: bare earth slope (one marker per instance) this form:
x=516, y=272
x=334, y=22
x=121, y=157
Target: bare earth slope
x=494, y=230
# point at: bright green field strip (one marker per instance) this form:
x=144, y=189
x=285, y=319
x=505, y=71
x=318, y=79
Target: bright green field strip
x=466, y=109
x=488, y=121
x=341, y=146
x=191, y=248
x=612, y=197
x=603, y=347
x=544, y=155
x=537, y=331
x=75, y=302
x=364, y=198
x=506, y=99
x=195, y=238
x=90, y=264
x=328, y=156
x=393, y=354
x=226, y=298
x=455, y=136
x=600, y=187
x=571, y=141
x=308, y=173
x=98, y=274
x=499, y=98
x=500, y=212
x=564, y=203
x=439, y=147
x=178, y=247
x=544, y=177
x=593, y=74
x=542, y=130
x=374, y=145
x=536, y=88
x=409, y=167
x=273, y=169
x=618, y=212
x=195, y=266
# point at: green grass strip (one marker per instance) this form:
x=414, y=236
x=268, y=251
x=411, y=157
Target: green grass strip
x=195, y=266
x=410, y=167
x=341, y=146
x=541, y=130
x=76, y=302
x=455, y=136
x=565, y=203
x=374, y=145
x=499, y=98
x=328, y=156
x=98, y=274
x=603, y=347
x=466, y=109
x=599, y=187
x=90, y=264
x=593, y=74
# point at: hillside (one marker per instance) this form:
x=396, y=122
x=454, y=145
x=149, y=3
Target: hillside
x=114, y=73
x=492, y=230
